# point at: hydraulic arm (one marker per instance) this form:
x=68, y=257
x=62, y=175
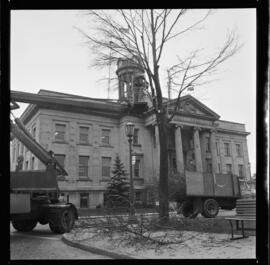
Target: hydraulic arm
x=18, y=130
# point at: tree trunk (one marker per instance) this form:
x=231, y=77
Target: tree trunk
x=163, y=168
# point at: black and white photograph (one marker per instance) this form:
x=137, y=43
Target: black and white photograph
x=133, y=134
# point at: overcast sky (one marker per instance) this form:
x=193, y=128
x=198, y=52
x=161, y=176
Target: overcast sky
x=47, y=52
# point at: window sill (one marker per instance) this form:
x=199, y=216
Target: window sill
x=105, y=180
x=61, y=178
x=60, y=142
x=85, y=179
x=105, y=145
x=138, y=145
x=84, y=144
x=138, y=178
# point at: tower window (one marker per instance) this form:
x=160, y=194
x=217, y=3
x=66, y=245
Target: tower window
x=136, y=136
x=125, y=90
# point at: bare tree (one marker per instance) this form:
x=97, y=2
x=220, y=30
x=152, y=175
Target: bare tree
x=143, y=34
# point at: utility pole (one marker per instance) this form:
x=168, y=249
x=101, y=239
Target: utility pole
x=169, y=89
x=109, y=80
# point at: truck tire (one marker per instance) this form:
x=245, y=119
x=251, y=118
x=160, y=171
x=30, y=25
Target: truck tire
x=187, y=209
x=210, y=208
x=63, y=221
x=24, y=225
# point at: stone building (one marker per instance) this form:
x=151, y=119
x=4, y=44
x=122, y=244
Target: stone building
x=86, y=134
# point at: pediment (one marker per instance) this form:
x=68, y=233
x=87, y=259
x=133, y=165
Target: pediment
x=191, y=106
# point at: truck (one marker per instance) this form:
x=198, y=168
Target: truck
x=34, y=194
x=205, y=193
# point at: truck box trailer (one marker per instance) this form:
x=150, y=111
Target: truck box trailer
x=205, y=193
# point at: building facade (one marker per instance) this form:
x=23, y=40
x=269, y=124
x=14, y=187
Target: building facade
x=86, y=134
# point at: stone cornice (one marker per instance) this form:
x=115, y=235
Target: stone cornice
x=219, y=130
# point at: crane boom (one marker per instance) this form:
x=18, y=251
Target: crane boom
x=40, y=152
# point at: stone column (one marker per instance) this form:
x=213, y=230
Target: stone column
x=179, y=149
x=213, y=151
x=233, y=156
x=157, y=149
x=197, y=148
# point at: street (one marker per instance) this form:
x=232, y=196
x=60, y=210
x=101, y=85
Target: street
x=41, y=243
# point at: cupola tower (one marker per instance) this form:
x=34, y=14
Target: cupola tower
x=131, y=80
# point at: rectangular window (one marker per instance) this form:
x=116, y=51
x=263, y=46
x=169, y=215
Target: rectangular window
x=84, y=135
x=26, y=165
x=137, y=168
x=217, y=147
x=174, y=165
x=34, y=132
x=14, y=153
x=136, y=136
x=125, y=90
x=18, y=150
x=138, y=196
x=191, y=144
x=219, y=168
x=209, y=168
x=83, y=166
x=22, y=150
x=238, y=150
x=207, y=144
x=84, y=200
x=106, y=166
x=154, y=138
x=33, y=163
x=227, y=149
x=241, y=170
x=105, y=136
x=60, y=131
x=60, y=159
x=229, y=168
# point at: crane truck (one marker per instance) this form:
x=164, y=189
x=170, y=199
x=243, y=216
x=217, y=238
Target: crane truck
x=34, y=194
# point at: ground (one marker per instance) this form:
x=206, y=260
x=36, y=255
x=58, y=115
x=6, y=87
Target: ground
x=210, y=241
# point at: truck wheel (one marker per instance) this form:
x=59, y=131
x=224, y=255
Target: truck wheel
x=210, y=208
x=62, y=222
x=187, y=209
x=24, y=225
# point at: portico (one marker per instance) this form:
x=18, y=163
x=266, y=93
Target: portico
x=188, y=148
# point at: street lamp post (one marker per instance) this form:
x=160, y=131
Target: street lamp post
x=129, y=134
